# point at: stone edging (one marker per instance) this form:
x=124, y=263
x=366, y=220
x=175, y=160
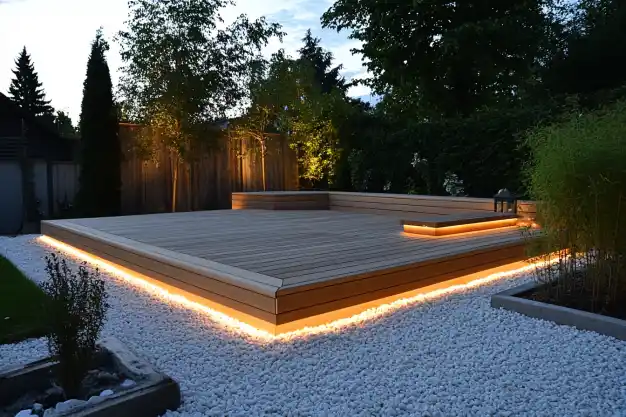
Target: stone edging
x=510, y=300
x=153, y=394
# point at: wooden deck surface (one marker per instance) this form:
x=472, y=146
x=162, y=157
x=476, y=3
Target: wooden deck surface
x=295, y=246
x=307, y=259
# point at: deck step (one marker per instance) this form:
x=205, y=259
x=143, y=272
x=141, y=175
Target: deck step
x=453, y=224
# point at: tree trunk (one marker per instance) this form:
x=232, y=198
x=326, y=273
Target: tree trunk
x=263, y=165
x=189, y=185
x=174, y=182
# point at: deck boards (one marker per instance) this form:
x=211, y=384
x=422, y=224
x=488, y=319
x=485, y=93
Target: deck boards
x=287, y=244
x=316, y=260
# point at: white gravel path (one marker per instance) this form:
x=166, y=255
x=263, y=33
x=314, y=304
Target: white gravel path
x=454, y=356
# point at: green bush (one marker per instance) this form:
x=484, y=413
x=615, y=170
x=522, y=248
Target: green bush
x=578, y=178
x=76, y=312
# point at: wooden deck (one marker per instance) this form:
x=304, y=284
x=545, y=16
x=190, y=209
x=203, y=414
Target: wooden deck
x=277, y=269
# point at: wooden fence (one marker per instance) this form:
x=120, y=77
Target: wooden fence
x=208, y=181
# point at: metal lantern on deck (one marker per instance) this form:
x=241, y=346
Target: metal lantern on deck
x=505, y=202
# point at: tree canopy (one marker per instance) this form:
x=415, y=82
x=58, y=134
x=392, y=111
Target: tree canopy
x=27, y=91
x=65, y=126
x=446, y=57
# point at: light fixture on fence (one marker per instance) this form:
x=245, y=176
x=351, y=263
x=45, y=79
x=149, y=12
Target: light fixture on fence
x=505, y=202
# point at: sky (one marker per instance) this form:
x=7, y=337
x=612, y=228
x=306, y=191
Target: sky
x=58, y=35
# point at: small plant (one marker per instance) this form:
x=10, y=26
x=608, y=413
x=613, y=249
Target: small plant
x=76, y=313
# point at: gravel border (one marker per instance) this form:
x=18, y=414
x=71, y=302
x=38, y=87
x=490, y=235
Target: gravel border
x=452, y=356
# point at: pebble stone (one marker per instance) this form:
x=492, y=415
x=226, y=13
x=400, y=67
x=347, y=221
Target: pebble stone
x=128, y=383
x=452, y=356
x=106, y=393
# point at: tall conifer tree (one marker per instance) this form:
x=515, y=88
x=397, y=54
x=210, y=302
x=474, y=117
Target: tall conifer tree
x=100, y=179
x=26, y=90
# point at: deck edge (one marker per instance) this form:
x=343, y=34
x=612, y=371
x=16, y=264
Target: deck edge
x=263, y=284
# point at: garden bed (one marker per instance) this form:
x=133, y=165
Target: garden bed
x=532, y=300
x=119, y=384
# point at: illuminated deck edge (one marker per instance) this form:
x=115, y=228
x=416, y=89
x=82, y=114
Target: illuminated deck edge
x=270, y=326
x=325, y=323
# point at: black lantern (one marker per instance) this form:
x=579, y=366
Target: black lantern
x=505, y=202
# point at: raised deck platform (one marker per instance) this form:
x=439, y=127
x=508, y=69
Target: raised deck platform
x=283, y=270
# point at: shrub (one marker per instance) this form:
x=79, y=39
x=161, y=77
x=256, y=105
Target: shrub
x=578, y=178
x=76, y=313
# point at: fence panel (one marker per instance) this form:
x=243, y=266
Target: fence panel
x=207, y=181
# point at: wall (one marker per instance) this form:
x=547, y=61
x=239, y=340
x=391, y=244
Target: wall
x=64, y=187
x=40, y=175
x=11, y=208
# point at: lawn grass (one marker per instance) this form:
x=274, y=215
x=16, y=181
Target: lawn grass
x=21, y=305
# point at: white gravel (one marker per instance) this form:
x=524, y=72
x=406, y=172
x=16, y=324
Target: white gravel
x=454, y=356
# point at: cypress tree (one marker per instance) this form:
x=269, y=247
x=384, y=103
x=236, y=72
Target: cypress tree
x=26, y=89
x=100, y=178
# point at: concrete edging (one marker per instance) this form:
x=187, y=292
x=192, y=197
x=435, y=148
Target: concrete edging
x=583, y=320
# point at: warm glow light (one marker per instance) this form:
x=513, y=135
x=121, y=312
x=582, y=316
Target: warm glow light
x=460, y=228
x=528, y=223
x=261, y=335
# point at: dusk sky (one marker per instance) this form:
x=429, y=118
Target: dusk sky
x=58, y=33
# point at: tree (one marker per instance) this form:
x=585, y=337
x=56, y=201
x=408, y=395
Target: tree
x=182, y=72
x=446, y=58
x=100, y=175
x=288, y=100
x=64, y=125
x=325, y=75
x=592, y=59
x=320, y=147
x=26, y=90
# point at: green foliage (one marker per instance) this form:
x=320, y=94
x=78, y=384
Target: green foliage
x=100, y=176
x=593, y=58
x=377, y=154
x=64, y=126
x=26, y=90
x=444, y=57
x=176, y=58
x=182, y=71
x=76, y=312
x=308, y=120
x=21, y=305
x=578, y=177
x=301, y=99
x=389, y=152
x=486, y=149
x=325, y=75
x=461, y=83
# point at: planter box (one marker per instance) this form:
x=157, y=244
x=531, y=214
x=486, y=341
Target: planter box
x=153, y=394
x=583, y=320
